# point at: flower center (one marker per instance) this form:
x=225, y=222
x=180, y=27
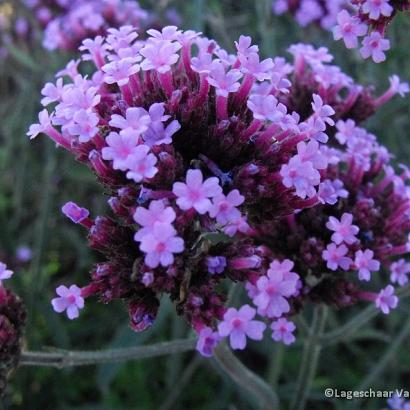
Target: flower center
x=160, y=247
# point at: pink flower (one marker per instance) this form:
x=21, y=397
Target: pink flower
x=84, y=125
x=52, y=93
x=322, y=111
x=258, y=69
x=386, y=299
x=223, y=82
x=223, y=207
x=195, y=193
x=141, y=164
x=136, y=119
x=160, y=56
x=310, y=152
x=344, y=231
x=70, y=300
x=300, y=175
x=120, y=147
x=238, y=325
x=348, y=28
x=365, y=263
x=374, y=45
x=399, y=272
x=283, y=331
x=207, y=341
x=160, y=244
x=274, y=288
x=244, y=46
x=346, y=131
x=266, y=108
x=335, y=256
x=4, y=272
x=376, y=8
x=119, y=71
x=43, y=125
x=330, y=191
x=147, y=218
x=398, y=87
x=74, y=212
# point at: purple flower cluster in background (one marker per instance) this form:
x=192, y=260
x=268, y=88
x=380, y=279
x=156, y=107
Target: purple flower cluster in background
x=206, y=156
x=306, y=12
x=368, y=19
x=349, y=20
x=67, y=23
x=12, y=322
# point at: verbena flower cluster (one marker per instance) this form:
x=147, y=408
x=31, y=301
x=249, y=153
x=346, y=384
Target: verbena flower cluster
x=68, y=22
x=368, y=19
x=12, y=322
x=306, y=12
x=202, y=153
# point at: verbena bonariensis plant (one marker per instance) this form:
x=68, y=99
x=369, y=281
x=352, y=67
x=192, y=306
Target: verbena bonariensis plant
x=306, y=12
x=12, y=321
x=199, y=157
x=369, y=18
x=67, y=23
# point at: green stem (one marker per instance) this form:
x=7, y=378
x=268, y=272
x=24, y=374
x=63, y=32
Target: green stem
x=245, y=378
x=310, y=359
x=70, y=358
x=276, y=364
x=389, y=354
x=348, y=329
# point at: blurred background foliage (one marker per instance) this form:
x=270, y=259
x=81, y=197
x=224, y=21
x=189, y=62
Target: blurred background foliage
x=36, y=179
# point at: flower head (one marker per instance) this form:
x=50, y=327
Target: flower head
x=207, y=341
x=239, y=324
x=283, y=331
x=344, y=230
x=4, y=273
x=69, y=300
x=387, y=300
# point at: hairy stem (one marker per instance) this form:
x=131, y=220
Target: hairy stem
x=246, y=379
x=70, y=358
x=310, y=359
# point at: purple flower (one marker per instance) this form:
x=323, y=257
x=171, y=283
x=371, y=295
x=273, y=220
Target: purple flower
x=399, y=272
x=136, y=119
x=274, y=288
x=160, y=56
x=120, y=147
x=141, y=164
x=365, y=263
x=147, y=218
x=147, y=279
x=300, y=175
x=195, y=193
x=216, y=264
x=335, y=256
x=283, y=331
x=74, y=212
x=224, y=82
x=346, y=131
x=119, y=71
x=322, y=111
x=160, y=244
x=348, y=28
x=224, y=207
x=238, y=325
x=344, y=230
x=207, y=341
x=374, y=45
x=330, y=191
x=4, y=272
x=386, y=299
x=69, y=300
x=376, y=8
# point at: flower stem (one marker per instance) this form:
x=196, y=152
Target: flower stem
x=245, y=378
x=348, y=329
x=310, y=359
x=70, y=358
x=390, y=352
